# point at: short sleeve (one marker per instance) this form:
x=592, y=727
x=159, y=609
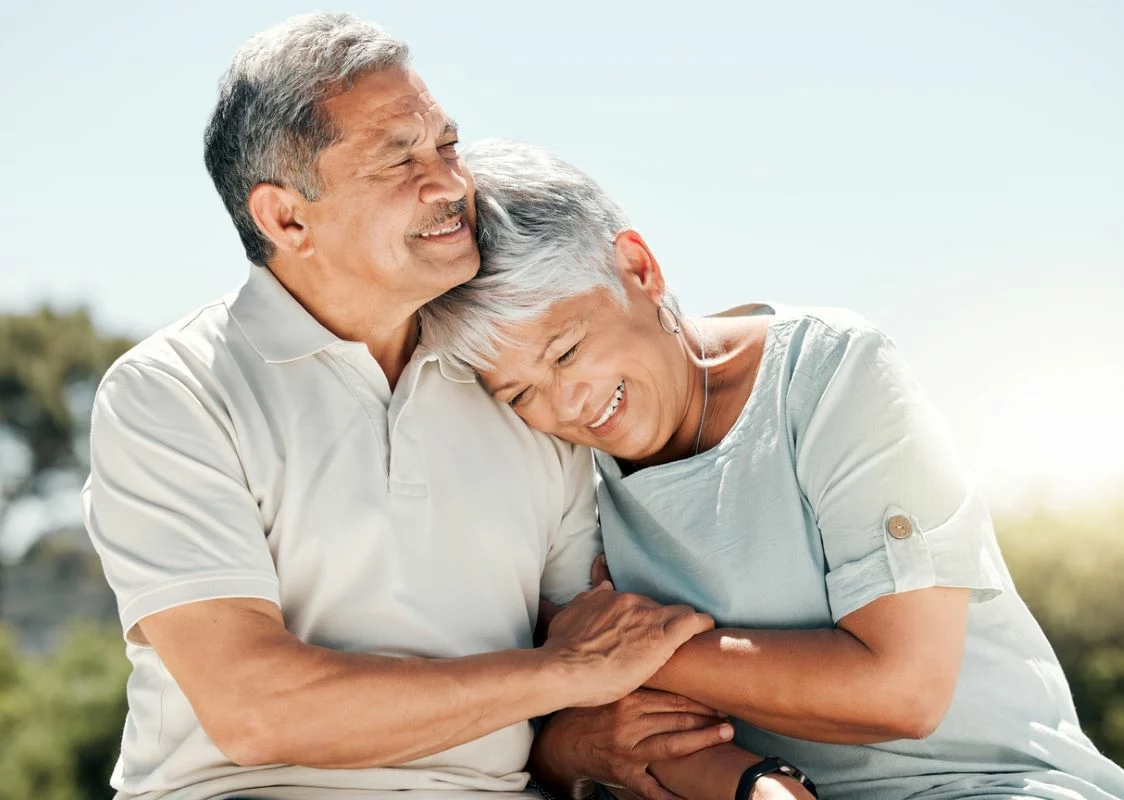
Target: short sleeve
x=166, y=503
x=577, y=540
x=878, y=467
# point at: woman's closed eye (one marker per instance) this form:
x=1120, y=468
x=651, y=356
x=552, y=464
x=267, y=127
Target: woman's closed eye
x=561, y=361
x=568, y=355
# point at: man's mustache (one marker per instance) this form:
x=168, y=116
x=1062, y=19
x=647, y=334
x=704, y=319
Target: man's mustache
x=445, y=212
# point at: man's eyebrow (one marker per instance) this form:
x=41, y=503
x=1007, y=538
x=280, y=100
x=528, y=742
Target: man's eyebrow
x=406, y=141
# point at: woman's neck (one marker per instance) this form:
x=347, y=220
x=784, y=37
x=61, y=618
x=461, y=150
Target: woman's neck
x=724, y=356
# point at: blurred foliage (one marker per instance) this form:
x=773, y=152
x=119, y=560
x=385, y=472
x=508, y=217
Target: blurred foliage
x=43, y=357
x=1069, y=568
x=61, y=716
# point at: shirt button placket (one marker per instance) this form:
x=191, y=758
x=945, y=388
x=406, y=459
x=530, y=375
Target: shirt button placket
x=406, y=476
x=364, y=375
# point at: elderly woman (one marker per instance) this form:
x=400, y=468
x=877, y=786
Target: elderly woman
x=779, y=469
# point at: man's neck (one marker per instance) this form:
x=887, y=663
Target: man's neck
x=356, y=311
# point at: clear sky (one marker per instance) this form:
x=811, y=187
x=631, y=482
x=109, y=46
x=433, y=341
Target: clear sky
x=953, y=170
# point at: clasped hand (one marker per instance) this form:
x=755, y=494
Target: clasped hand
x=615, y=641
x=618, y=641
x=614, y=744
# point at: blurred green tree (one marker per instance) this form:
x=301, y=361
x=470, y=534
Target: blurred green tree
x=1069, y=568
x=50, y=363
x=61, y=716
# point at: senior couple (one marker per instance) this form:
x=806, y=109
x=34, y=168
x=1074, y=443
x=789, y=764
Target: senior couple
x=334, y=503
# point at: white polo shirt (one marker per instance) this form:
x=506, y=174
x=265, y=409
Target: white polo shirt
x=249, y=452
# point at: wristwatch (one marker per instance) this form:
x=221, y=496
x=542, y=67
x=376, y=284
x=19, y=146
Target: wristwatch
x=767, y=766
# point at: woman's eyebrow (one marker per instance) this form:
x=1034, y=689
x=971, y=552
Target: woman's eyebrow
x=569, y=329
x=507, y=385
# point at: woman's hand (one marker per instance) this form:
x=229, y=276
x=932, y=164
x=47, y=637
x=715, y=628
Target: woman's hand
x=615, y=743
x=599, y=572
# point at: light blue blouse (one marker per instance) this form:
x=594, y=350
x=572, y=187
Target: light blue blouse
x=837, y=485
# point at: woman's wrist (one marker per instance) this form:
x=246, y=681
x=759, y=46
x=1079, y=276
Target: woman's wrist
x=777, y=787
x=773, y=778
x=710, y=774
x=551, y=764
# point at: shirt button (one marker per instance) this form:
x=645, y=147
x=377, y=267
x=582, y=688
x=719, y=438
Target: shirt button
x=899, y=527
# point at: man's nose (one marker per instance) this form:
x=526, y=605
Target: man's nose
x=570, y=399
x=442, y=183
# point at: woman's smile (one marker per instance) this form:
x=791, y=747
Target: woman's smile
x=613, y=411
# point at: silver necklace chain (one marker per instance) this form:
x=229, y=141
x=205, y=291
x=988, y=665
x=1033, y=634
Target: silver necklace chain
x=706, y=387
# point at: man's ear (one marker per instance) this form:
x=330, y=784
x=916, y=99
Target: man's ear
x=637, y=266
x=279, y=214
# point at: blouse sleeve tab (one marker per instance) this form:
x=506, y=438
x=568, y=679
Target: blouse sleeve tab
x=911, y=561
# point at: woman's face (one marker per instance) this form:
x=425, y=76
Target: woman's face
x=594, y=373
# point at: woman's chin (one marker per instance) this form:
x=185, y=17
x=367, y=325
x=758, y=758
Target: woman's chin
x=628, y=449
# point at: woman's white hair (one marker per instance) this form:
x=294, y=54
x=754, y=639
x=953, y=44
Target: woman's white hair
x=546, y=233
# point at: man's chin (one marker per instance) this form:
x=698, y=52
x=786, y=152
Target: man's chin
x=464, y=269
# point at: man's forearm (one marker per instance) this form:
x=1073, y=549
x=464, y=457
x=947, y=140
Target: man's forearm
x=265, y=697
x=396, y=710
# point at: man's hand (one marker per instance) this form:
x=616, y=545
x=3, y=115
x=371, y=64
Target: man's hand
x=615, y=641
x=615, y=743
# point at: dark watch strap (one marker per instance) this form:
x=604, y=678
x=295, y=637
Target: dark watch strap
x=767, y=766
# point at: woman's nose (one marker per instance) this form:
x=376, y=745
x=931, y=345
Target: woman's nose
x=570, y=398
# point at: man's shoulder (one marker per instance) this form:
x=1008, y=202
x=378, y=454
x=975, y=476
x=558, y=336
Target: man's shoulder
x=190, y=350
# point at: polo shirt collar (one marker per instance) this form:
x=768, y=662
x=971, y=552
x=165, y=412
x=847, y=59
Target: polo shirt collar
x=277, y=325
x=454, y=373
x=449, y=370
x=280, y=329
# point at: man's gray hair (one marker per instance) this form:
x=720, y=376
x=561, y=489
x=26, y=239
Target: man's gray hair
x=546, y=233
x=269, y=125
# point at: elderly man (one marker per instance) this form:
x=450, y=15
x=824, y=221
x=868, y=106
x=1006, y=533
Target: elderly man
x=327, y=545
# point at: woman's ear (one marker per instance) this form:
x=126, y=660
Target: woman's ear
x=637, y=266
x=279, y=214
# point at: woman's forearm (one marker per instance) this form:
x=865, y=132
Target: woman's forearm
x=824, y=685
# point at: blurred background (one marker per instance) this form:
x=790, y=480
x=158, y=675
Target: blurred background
x=954, y=171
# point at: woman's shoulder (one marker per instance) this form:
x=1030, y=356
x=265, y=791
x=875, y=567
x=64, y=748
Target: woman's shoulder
x=813, y=332
x=810, y=347
x=834, y=320
x=830, y=322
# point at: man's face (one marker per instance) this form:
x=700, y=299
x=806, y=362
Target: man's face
x=396, y=204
